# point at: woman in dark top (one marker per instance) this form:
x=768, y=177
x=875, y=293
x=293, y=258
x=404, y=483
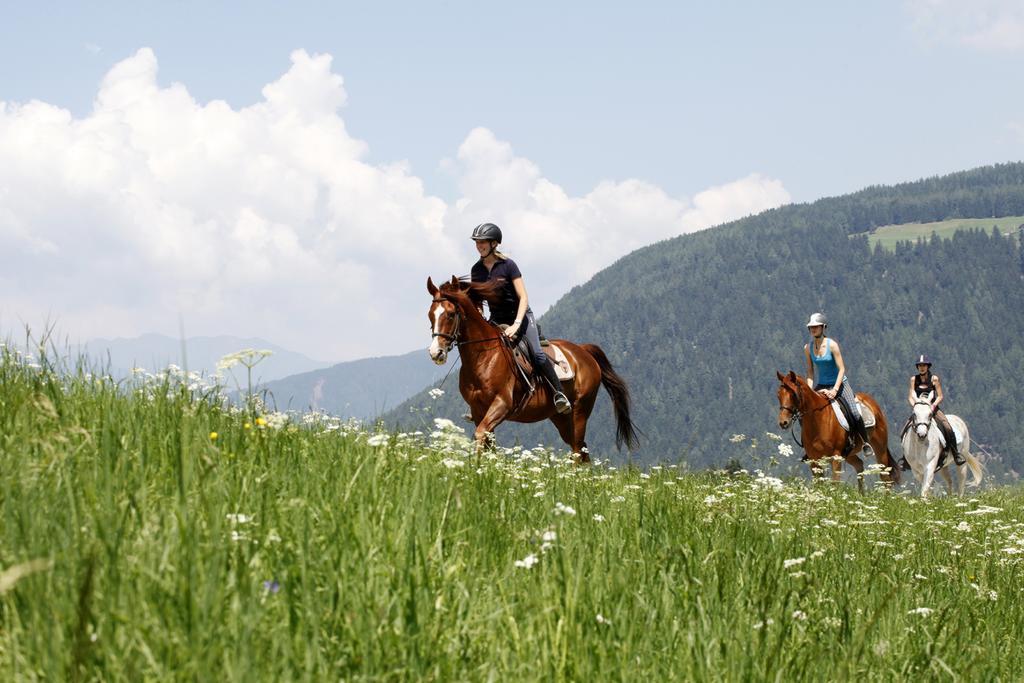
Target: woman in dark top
x=921, y=384
x=514, y=308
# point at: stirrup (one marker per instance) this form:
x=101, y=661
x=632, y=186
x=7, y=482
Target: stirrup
x=562, y=404
x=868, y=451
x=958, y=458
x=904, y=465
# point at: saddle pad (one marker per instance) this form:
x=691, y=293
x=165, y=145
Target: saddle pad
x=869, y=417
x=956, y=433
x=561, y=363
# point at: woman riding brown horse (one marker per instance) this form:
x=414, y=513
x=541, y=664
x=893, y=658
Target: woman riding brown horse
x=490, y=381
x=824, y=437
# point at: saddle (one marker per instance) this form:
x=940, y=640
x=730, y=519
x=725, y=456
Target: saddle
x=844, y=419
x=521, y=353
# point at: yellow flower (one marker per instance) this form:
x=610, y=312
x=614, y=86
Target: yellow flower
x=213, y=436
x=261, y=422
x=247, y=425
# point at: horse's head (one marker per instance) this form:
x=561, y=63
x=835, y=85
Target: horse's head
x=445, y=320
x=923, y=415
x=789, y=398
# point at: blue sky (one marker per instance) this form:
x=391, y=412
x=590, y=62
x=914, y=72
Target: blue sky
x=792, y=101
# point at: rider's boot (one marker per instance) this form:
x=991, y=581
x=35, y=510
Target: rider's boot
x=862, y=430
x=957, y=457
x=562, y=403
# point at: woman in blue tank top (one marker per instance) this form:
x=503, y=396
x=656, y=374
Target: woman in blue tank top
x=826, y=374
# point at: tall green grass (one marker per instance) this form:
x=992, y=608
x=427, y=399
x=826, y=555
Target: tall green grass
x=136, y=545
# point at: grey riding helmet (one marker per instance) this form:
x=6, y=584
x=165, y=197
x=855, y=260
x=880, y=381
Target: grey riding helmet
x=817, y=319
x=487, y=231
x=923, y=360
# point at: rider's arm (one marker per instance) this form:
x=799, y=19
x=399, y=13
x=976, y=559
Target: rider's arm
x=838, y=355
x=912, y=396
x=810, y=366
x=937, y=399
x=524, y=303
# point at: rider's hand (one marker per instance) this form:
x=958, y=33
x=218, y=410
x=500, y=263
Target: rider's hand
x=512, y=330
x=829, y=394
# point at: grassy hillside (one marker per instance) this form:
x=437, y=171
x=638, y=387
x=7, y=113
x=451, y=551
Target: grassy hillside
x=889, y=235
x=150, y=534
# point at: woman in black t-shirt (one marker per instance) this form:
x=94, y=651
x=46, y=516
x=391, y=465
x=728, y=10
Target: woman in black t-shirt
x=514, y=308
x=921, y=384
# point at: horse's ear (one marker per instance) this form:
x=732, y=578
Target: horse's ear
x=431, y=288
x=791, y=376
x=455, y=282
x=779, y=375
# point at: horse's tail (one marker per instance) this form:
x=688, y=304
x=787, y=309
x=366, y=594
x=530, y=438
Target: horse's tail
x=975, y=466
x=625, y=430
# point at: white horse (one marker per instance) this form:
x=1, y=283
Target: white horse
x=922, y=448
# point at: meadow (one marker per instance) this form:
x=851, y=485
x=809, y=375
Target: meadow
x=151, y=531
x=889, y=235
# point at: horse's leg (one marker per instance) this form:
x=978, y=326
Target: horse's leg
x=564, y=424
x=817, y=470
x=580, y=414
x=496, y=412
x=949, y=480
x=858, y=467
x=837, y=467
x=929, y=472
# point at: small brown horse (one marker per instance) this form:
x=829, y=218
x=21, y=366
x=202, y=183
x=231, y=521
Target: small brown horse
x=489, y=380
x=824, y=437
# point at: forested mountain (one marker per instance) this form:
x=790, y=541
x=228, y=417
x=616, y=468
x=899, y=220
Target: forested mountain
x=699, y=324
x=362, y=388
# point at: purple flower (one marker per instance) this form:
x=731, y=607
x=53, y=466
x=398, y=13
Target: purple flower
x=271, y=586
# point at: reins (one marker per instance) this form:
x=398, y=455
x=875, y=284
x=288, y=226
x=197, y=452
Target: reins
x=506, y=344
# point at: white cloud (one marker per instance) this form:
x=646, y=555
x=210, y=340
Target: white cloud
x=989, y=25
x=267, y=221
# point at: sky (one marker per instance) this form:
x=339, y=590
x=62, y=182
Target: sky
x=295, y=171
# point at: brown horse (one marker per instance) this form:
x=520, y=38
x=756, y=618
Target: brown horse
x=824, y=437
x=490, y=382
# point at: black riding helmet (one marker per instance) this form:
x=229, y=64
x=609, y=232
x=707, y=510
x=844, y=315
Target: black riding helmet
x=487, y=231
x=923, y=360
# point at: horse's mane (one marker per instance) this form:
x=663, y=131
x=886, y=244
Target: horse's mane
x=472, y=293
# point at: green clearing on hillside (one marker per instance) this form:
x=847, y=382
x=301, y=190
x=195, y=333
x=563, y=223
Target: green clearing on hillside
x=148, y=533
x=889, y=235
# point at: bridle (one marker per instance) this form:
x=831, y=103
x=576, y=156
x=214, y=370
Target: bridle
x=453, y=338
x=916, y=424
x=795, y=413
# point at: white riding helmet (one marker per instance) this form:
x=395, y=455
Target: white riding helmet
x=817, y=319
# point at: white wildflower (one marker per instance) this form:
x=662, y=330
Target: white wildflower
x=602, y=620
x=923, y=611
x=799, y=615
x=435, y=393
x=377, y=440
x=527, y=562
x=452, y=463
x=785, y=450
x=238, y=518
x=773, y=436
x=795, y=562
x=736, y=438
x=561, y=509
x=761, y=624
x=598, y=518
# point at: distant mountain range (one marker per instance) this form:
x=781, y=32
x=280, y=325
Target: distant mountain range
x=363, y=389
x=154, y=352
